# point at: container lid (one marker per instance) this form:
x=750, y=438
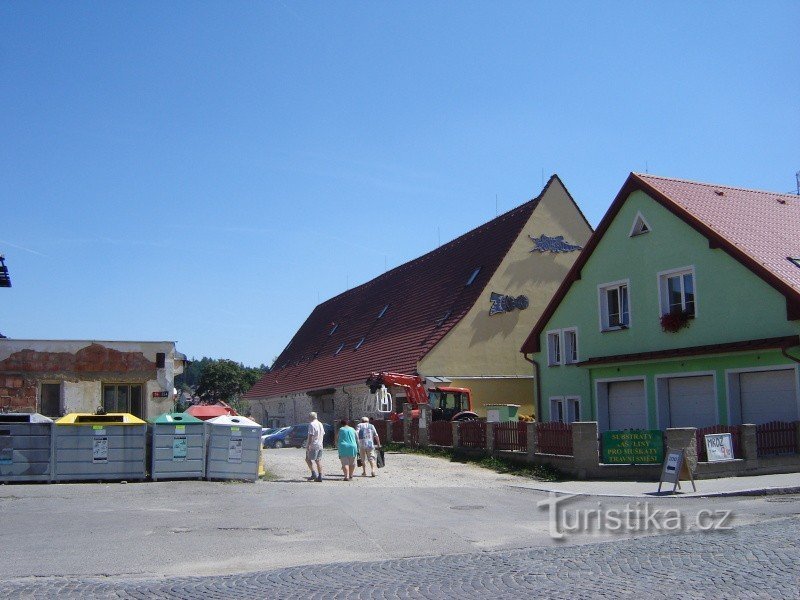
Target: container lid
x=175, y=419
x=24, y=418
x=514, y=405
x=204, y=412
x=112, y=419
x=234, y=421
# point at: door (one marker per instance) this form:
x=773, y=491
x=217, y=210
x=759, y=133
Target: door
x=50, y=405
x=627, y=408
x=768, y=396
x=692, y=401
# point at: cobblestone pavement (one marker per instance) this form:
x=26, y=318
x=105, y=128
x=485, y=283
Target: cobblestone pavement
x=754, y=561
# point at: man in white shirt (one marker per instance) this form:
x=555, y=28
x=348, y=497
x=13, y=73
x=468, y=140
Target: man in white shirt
x=316, y=433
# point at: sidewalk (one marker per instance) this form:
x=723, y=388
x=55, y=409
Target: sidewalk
x=757, y=485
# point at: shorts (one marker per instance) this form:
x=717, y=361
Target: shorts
x=367, y=454
x=314, y=453
x=348, y=461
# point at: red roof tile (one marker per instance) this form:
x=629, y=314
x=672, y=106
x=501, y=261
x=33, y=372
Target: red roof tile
x=759, y=229
x=426, y=297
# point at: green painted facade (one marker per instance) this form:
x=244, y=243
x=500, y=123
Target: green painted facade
x=732, y=304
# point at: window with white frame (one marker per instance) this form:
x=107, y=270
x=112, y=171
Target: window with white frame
x=565, y=409
x=554, y=348
x=614, y=306
x=676, y=290
x=570, y=346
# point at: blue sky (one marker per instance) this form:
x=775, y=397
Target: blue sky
x=209, y=172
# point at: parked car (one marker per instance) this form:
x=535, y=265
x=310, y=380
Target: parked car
x=298, y=436
x=276, y=439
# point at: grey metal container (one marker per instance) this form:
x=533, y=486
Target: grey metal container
x=234, y=448
x=177, y=447
x=107, y=447
x=26, y=447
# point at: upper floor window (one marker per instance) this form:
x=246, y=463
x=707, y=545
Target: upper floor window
x=554, y=348
x=570, y=346
x=676, y=290
x=639, y=226
x=614, y=306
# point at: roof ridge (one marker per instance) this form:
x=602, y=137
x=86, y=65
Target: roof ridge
x=714, y=185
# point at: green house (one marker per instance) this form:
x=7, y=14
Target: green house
x=683, y=310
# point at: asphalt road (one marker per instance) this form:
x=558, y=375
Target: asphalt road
x=453, y=521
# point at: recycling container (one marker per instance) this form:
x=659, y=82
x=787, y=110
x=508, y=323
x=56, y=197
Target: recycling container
x=498, y=413
x=106, y=447
x=26, y=447
x=177, y=447
x=234, y=448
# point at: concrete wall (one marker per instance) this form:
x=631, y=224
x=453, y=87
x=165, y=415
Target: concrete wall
x=81, y=367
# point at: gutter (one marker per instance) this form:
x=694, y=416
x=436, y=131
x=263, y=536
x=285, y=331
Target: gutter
x=538, y=385
x=789, y=356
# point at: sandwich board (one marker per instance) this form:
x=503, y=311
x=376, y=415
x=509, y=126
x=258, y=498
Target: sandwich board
x=675, y=468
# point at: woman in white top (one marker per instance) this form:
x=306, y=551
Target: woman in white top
x=368, y=440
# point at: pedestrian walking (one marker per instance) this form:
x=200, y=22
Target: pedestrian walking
x=368, y=441
x=348, y=449
x=316, y=433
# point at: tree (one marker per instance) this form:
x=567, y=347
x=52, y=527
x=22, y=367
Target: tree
x=225, y=380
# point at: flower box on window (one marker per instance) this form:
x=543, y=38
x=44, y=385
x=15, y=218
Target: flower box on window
x=675, y=320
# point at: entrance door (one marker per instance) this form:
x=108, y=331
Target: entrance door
x=627, y=408
x=50, y=402
x=692, y=401
x=768, y=396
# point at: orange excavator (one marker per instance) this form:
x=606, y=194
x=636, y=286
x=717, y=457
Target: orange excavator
x=447, y=403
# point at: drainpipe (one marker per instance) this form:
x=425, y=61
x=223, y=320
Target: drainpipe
x=538, y=382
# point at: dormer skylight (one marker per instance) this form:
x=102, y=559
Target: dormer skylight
x=473, y=276
x=383, y=311
x=795, y=260
x=335, y=325
x=440, y=321
x=640, y=226
x=358, y=344
x=339, y=349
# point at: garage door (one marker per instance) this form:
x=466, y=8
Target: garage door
x=692, y=401
x=768, y=396
x=626, y=405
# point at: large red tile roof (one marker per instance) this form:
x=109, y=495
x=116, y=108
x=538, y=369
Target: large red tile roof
x=426, y=298
x=759, y=229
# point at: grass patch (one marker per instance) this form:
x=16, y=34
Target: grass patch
x=495, y=463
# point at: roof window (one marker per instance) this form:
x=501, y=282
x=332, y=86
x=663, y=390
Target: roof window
x=335, y=325
x=794, y=260
x=473, y=276
x=358, y=344
x=339, y=349
x=440, y=321
x=383, y=310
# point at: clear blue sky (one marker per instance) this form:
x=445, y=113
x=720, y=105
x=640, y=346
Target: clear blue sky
x=208, y=172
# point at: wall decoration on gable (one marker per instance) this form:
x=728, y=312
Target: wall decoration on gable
x=552, y=244
x=503, y=303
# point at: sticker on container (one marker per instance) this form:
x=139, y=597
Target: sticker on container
x=99, y=429
x=180, y=429
x=100, y=450
x=179, y=448
x=235, y=449
x=6, y=450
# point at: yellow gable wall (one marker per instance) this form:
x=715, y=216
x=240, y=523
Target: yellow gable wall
x=484, y=346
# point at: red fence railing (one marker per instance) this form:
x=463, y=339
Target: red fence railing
x=472, y=434
x=554, y=438
x=512, y=435
x=777, y=437
x=397, y=432
x=736, y=440
x=440, y=433
x=380, y=427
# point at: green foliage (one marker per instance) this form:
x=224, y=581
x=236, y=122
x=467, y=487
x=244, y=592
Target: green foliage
x=220, y=379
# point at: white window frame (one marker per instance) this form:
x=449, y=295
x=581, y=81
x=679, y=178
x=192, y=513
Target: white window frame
x=639, y=217
x=567, y=350
x=553, y=359
x=570, y=409
x=602, y=304
x=663, y=293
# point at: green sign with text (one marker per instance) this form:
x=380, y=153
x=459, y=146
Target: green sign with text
x=633, y=446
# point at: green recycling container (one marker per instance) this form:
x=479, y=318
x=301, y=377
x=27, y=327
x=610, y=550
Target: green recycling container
x=177, y=447
x=108, y=447
x=498, y=413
